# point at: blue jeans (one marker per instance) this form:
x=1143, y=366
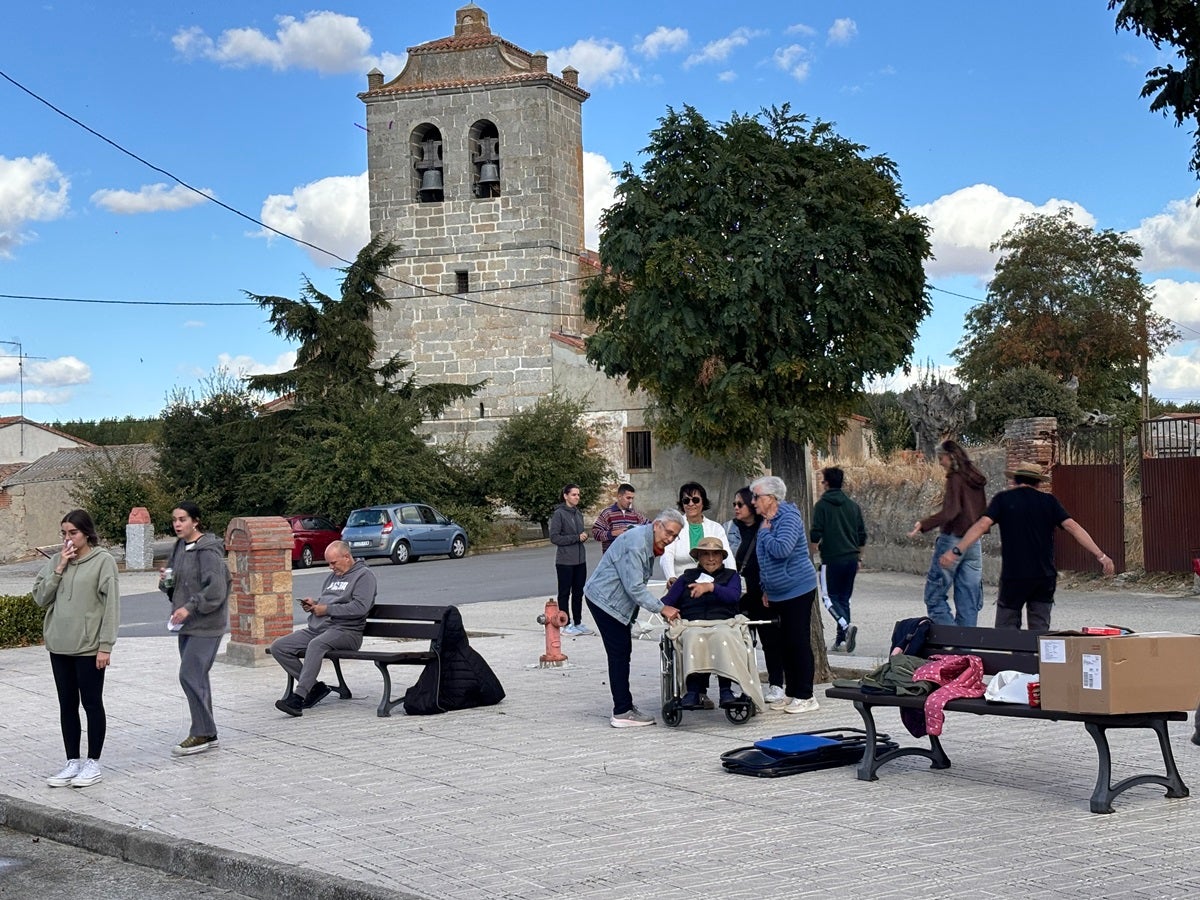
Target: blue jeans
x=967, y=578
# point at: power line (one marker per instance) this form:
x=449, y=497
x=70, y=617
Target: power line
x=249, y=218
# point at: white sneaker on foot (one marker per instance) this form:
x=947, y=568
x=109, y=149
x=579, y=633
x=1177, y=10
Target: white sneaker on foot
x=773, y=694
x=582, y=630
x=89, y=773
x=781, y=703
x=633, y=718
x=802, y=706
x=68, y=773
x=571, y=630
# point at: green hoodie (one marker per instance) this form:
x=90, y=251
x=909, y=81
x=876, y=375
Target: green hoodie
x=837, y=527
x=83, y=605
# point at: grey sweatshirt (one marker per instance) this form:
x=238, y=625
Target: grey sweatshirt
x=202, y=583
x=83, y=605
x=348, y=597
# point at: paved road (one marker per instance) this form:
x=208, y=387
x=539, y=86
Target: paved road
x=36, y=867
x=528, y=572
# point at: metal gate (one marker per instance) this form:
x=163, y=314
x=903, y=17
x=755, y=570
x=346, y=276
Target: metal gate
x=1170, y=469
x=1089, y=480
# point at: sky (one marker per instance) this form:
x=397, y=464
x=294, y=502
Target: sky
x=990, y=111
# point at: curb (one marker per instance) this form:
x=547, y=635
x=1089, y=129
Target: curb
x=226, y=869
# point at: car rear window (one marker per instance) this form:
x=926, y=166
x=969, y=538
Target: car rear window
x=361, y=517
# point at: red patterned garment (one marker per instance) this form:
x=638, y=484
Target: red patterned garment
x=959, y=676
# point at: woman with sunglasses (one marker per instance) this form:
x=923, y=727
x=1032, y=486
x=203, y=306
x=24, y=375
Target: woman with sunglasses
x=693, y=502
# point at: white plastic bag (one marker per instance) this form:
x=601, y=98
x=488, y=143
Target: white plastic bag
x=1010, y=687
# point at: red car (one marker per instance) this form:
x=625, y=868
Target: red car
x=310, y=536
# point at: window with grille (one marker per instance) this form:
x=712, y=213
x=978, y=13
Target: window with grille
x=637, y=450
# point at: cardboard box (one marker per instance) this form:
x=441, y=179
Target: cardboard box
x=1130, y=673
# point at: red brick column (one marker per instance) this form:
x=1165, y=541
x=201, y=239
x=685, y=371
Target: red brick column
x=1031, y=440
x=260, y=601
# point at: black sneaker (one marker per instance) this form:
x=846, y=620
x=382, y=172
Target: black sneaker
x=851, y=638
x=293, y=704
x=319, y=692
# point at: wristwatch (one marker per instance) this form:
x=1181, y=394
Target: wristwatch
x=956, y=551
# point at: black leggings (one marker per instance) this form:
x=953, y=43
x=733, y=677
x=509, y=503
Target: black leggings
x=78, y=681
x=570, y=585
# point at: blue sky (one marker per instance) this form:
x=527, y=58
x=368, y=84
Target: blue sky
x=990, y=111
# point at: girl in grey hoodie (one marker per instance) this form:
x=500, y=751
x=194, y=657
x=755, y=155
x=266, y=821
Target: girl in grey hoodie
x=199, y=592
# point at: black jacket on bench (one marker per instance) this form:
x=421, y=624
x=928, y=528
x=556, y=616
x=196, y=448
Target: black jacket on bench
x=458, y=679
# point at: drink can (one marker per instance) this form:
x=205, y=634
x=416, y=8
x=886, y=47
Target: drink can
x=167, y=581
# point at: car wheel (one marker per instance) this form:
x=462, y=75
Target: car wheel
x=400, y=553
x=458, y=547
x=306, y=558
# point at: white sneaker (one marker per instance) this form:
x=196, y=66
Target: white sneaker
x=571, y=630
x=89, y=773
x=802, y=706
x=68, y=773
x=634, y=718
x=773, y=694
x=781, y=703
x=583, y=630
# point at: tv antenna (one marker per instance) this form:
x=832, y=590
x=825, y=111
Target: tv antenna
x=21, y=357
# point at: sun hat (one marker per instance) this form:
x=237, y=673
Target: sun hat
x=1028, y=469
x=708, y=543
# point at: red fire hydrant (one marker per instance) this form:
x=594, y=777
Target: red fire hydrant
x=555, y=620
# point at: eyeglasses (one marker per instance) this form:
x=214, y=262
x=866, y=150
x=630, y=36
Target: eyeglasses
x=738, y=504
x=760, y=496
x=687, y=500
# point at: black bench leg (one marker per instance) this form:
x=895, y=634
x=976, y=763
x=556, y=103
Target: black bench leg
x=342, y=688
x=871, y=762
x=291, y=686
x=1106, y=791
x=386, y=703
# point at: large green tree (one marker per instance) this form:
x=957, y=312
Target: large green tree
x=1020, y=393
x=538, y=451
x=755, y=273
x=1070, y=300
x=1172, y=91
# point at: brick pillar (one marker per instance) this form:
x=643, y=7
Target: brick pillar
x=139, y=541
x=260, y=601
x=1031, y=440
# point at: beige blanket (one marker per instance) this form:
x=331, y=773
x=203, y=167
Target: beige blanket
x=721, y=646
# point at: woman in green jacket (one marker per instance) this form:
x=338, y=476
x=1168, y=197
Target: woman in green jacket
x=78, y=589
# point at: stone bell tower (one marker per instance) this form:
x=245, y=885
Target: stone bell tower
x=475, y=163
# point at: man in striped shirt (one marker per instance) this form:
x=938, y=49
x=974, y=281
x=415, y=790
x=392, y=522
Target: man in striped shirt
x=615, y=519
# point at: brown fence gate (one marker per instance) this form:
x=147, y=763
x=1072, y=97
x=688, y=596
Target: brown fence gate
x=1170, y=470
x=1089, y=480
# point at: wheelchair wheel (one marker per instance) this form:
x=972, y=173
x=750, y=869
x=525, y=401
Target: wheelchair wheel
x=672, y=713
x=739, y=713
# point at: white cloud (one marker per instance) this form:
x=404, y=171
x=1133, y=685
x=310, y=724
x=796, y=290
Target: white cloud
x=727, y=75
x=50, y=398
x=598, y=62
x=247, y=365
x=719, y=50
x=193, y=323
x=331, y=213
x=32, y=189
x=149, y=198
x=805, y=30
x=793, y=60
x=1171, y=239
x=327, y=42
x=968, y=221
x=599, y=192
x=61, y=372
x=1178, y=373
x=1178, y=300
x=842, y=31
x=662, y=39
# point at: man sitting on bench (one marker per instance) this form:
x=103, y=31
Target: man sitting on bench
x=336, y=621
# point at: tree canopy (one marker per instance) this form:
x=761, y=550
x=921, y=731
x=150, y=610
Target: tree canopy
x=536, y=452
x=1173, y=92
x=1069, y=300
x=755, y=272
x=1019, y=394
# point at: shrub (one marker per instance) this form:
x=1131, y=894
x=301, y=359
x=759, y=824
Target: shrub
x=20, y=621
x=475, y=520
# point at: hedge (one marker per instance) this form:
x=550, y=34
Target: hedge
x=20, y=621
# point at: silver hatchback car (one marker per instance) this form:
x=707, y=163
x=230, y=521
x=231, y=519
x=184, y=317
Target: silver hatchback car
x=403, y=532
